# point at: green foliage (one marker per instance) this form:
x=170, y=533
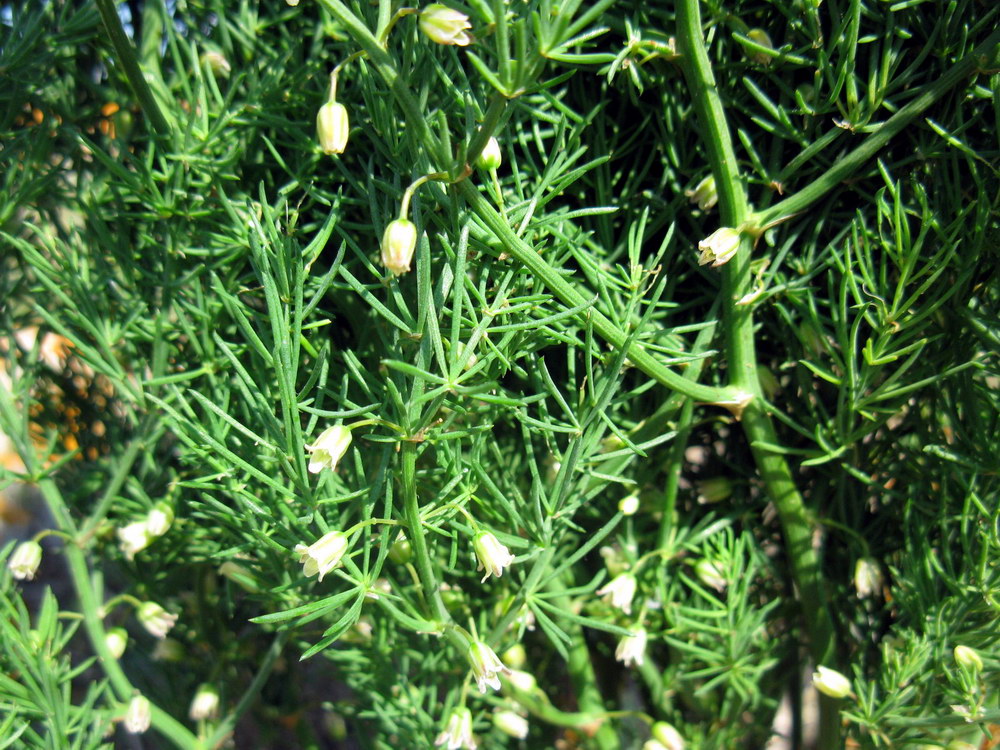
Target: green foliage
x=555, y=351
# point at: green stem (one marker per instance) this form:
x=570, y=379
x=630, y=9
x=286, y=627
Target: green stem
x=163, y=722
x=125, y=55
x=741, y=357
x=846, y=166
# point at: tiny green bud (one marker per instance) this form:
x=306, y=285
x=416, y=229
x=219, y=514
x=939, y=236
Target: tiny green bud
x=401, y=552
x=760, y=37
x=515, y=657
x=713, y=490
x=398, y=243
x=332, y=127
x=490, y=157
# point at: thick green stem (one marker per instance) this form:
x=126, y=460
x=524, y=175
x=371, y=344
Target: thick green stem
x=125, y=55
x=981, y=56
x=741, y=358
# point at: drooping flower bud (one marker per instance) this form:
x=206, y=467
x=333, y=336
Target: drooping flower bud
x=710, y=574
x=704, y=194
x=457, y=733
x=968, y=658
x=719, y=247
x=713, y=490
x=629, y=505
x=217, y=63
x=156, y=619
x=323, y=555
x=134, y=538
x=515, y=656
x=205, y=704
x=158, y=520
x=490, y=157
x=486, y=666
x=511, y=723
x=398, y=243
x=116, y=639
x=523, y=681
x=23, y=564
x=867, y=577
x=332, y=127
x=619, y=591
x=632, y=647
x=240, y=576
x=445, y=25
x=329, y=448
x=493, y=556
x=138, y=715
x=668, y=736
x=831, y=682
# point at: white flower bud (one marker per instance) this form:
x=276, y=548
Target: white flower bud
x=323, y=555
x=620, y=591
x=398, y=244
x=486, y=666
x=445, y=25
x=831, y=682
x=490, y=157
x=867, y=577
x=116, y=639
x=155, y=619
x=134, y=538
x=329, y=448
x=710, y=574
x=704, y=194
x=632, y=647
x=457, y=733
x=719, y=247
x=138, y=716
x=493, y=556
x=511, y=724
x=159, y=519
x=667, y=736
x=332, y=127
x=23, y=564
x=205, y=704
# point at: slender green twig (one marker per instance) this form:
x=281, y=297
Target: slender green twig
x=845, y=166
x=126, y=56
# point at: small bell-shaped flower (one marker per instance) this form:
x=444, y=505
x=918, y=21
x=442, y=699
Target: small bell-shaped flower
x=632, y=647
x=205, y=704
x=490, y=157
x=666, y=737
x=323, y=555
x=23, y=564
x=457, y=734
x=159, y=519
x=116, y=639
x=486, y=666
x=511, y=723
x=138, y=715
x=332, y=127
x=398, y=244
x=704, y=193
x=619, y=591
x=329, y=448
x=831, y=682
x=445, y=25
x=493, y=556
x=156, y=619
x=134, y=538
x=867, y=577
x=719, y=247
